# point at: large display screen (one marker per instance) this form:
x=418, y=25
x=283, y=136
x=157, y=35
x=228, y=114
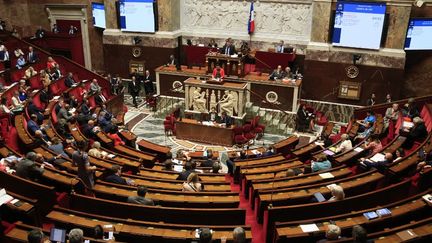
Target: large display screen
x=358, y=24
x=137, y=15
x=98, y=11
x=419, y=35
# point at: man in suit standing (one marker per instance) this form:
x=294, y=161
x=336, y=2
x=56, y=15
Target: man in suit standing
x=31, y=56
x=148, y=84
x=134, y=89
x=281, y=48
x=6, y=58
x=55, y=29
x=228, y=48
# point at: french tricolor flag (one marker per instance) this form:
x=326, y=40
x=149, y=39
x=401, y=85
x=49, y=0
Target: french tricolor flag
x=251, y=24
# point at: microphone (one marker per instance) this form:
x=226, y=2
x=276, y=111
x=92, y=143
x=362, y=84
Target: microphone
x=272, y=191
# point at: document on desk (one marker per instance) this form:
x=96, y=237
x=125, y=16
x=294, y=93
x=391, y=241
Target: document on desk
x=4, y=197
x=326, y=175
x=309, y=228
x=378, y=157
x=358, y=149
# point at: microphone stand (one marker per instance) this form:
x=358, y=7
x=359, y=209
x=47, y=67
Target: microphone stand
x=272, y=191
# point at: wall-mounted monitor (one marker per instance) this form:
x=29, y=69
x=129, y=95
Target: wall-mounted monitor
x=98, y=12
x=358, y=24
x=419, y=34
x=137, y=15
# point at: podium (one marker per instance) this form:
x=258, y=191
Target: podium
x=232, y=65
x=229, y=97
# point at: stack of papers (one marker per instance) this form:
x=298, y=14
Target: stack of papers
x=309, y=228
x=377, y=157
x=255, y=152
x=4, y=197
x=358, y=149
x=428, y=199
x=111, y=156
x=326, y=175
x=329, y=152
x=208, y=123
x=178, y=168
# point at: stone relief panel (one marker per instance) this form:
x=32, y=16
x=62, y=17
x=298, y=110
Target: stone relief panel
x=274, y=20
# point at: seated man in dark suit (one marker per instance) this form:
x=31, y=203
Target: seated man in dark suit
x=45, y=95
x=277, y=73
x=90, y=130
x=380, y=165
x=115, y=176
x=32, y=109
x=32, y=125
x=213, y=115
x=69, y=80
x=186, y=172
x=140, y=198
x=417, y=133
x=172, y=61
x=27, y=169
x=226, y=119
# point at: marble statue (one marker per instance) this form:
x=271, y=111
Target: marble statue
x=198, y=100
x=229, y=102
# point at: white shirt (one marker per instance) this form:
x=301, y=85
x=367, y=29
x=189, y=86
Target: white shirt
x=344, y=146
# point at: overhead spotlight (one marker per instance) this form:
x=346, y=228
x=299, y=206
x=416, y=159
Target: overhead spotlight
x=418, y=3
x=356, y=57
x=136, y=40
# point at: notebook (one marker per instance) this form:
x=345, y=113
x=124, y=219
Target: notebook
x=370, y=215
x=383, y=212
x=329, y=152
x=326, y=175
x=309, y=228
x=406, y=235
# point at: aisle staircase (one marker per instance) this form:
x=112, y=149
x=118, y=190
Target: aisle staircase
x=166, y=105
x=276, y=122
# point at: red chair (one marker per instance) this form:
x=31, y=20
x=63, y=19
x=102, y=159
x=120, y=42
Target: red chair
x=5, y=123
x=258, y=128
x=321, y=119
x=248, y=132
x=239, y=138
x=169, y=125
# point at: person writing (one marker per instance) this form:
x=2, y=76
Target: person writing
x=218, y=73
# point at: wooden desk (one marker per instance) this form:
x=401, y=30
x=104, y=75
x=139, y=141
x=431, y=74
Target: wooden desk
x=159, y=150
x=189, y=129
x=232, y=65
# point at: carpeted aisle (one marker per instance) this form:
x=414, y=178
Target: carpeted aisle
x=257, y=229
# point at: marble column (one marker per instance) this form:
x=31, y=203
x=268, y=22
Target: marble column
x=399, y=15
x=110, y=14
x=169, y=15
x=321, y=10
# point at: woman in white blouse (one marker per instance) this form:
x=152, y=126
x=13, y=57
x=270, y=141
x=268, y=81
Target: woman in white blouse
x=345, y=145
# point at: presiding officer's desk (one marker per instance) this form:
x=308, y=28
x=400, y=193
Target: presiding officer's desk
x=194, y=130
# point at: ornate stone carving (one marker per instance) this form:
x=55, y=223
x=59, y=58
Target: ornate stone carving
x=288, y=20
x=198, y=101
x=229, y=102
